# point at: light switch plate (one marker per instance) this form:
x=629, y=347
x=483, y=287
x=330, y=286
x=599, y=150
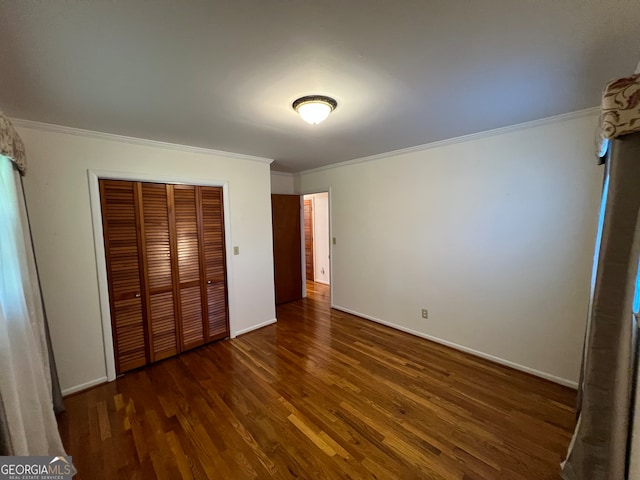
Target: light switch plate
x=236, y=250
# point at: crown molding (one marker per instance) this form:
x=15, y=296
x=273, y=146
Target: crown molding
x=462, y=139
x=49, y=127
x=206, y=151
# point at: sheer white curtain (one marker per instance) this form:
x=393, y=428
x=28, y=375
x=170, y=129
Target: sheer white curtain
x=25, y=380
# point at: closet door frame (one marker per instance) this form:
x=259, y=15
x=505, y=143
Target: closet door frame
x=98, y=239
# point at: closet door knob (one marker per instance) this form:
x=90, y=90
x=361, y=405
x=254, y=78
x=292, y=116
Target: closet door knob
x=209, y=282
x=137, y=295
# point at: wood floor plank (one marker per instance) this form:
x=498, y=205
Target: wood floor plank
x=321, y=395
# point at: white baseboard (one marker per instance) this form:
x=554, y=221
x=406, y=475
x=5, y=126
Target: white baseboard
x=322, y=281
x=83, y=386
x=254, y=327
x=486, y=356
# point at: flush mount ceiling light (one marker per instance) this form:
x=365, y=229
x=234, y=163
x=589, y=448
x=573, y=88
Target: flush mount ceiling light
x=314, y=108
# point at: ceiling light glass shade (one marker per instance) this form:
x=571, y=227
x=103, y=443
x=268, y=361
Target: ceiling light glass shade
x=314, y=112
x=314, y=109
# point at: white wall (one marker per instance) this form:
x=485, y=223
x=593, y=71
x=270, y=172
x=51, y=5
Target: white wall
x=282, y=183
x=57, y=194
x=320, y=206
x=493, y=234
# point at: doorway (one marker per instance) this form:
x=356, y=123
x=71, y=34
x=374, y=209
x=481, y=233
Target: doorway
x=317, y=238
x=301, y=245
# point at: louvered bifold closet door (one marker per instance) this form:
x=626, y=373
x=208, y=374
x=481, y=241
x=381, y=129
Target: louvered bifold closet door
x=120, y=222
x=187, y=252
x=214, y=262
x=161, y=310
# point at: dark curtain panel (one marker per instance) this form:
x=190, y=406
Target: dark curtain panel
x=5, y=438
x=56, y=392
x=600, y=447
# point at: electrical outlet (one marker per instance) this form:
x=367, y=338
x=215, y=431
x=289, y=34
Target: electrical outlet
x=425, y=313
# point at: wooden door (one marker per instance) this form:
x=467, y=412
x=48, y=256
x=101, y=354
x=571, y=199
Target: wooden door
x=214, y=266
x=186, y=255
x=308, y=239
x=120, y=222
x=156, y=246
x=287, y=251
x=166, y=268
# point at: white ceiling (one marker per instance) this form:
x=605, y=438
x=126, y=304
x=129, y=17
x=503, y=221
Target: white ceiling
x=223, y=74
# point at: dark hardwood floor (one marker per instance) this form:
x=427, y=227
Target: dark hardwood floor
x=320, y=395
